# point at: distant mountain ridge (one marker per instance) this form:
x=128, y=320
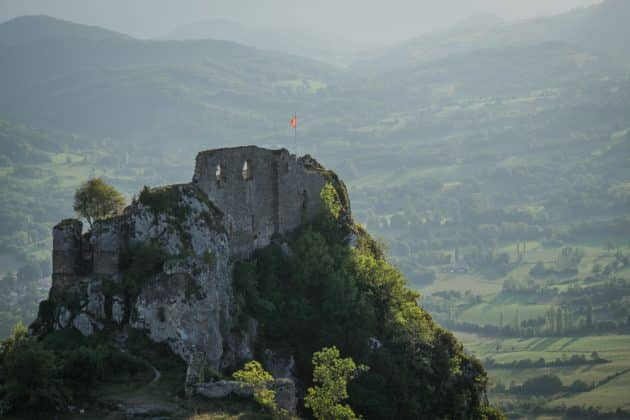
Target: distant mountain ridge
x=66, y=77
x=483, y=19
x=296, y=41
x=33, y=28
x=597, y=29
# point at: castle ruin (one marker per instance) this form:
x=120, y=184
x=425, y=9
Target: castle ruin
x=240, y=199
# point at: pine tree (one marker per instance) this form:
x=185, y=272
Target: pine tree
x=568, y=319
x=551, y=320
x=559, y=322
x=589, y=315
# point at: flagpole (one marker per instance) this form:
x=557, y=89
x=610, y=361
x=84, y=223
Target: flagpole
x=295, y=135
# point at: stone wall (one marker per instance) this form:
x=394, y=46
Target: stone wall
x=238, y=200
x=67, y=256
x=107, y=242
x=261, y=191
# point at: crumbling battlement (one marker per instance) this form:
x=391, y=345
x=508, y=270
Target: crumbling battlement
x=262, y=192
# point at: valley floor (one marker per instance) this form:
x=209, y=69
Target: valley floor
x=572, y=329
x=610, y=381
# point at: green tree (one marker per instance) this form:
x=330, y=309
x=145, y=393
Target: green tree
x=95, y=200
x=330, y=220
x=19, y=333
x=82, y=367
x=488, y=412
x=331, y=373
x=29, y=374
x=255, y=376
x=589, y=315
x=547, y=384
x=331, y=201
x=559, y=322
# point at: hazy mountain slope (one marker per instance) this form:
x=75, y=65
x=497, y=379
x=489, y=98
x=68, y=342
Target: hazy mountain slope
x=598, y=29
x=495, y=72
x=26, y=29
x=296, y=41
x=123, y=87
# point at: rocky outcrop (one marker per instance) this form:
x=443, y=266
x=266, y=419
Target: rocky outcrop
x=165, y=264
x=283, y=387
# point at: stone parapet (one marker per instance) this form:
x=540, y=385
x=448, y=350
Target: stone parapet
x=264, y=192
x=67, y=247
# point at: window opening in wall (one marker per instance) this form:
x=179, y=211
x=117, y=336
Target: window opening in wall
x=219, y=174
x=247, y=170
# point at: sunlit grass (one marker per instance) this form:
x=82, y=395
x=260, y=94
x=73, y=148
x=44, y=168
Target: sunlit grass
x=613, y=347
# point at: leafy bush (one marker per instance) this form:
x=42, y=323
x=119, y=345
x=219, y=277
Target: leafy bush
x=548, y=384
x=259, y=379
x=29, y=374
x=331, y=373
x=83, y=366
x=164, y=200
x=139, y=265
x=47, y=375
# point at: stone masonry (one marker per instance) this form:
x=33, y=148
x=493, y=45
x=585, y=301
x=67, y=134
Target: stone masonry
x=262, y=192
x=240, y=199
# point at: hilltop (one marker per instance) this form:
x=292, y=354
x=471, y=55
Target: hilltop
x=257, y=258
x=37, y=28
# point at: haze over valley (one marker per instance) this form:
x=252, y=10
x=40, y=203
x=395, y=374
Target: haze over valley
x=488, y=148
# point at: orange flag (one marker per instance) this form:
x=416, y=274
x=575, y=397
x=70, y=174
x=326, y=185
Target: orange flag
x=294, y=122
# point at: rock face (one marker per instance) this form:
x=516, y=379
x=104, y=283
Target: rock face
x=283, y=387
x=165, y=264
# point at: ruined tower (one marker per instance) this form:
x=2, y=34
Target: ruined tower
x=238, y=201
x=262, y=192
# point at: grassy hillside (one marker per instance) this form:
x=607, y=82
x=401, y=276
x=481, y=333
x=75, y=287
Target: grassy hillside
x=40, y=171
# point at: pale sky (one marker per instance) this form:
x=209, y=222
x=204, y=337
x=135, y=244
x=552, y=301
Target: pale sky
x=381, y=21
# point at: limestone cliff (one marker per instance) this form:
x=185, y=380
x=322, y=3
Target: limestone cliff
x=165, y=264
